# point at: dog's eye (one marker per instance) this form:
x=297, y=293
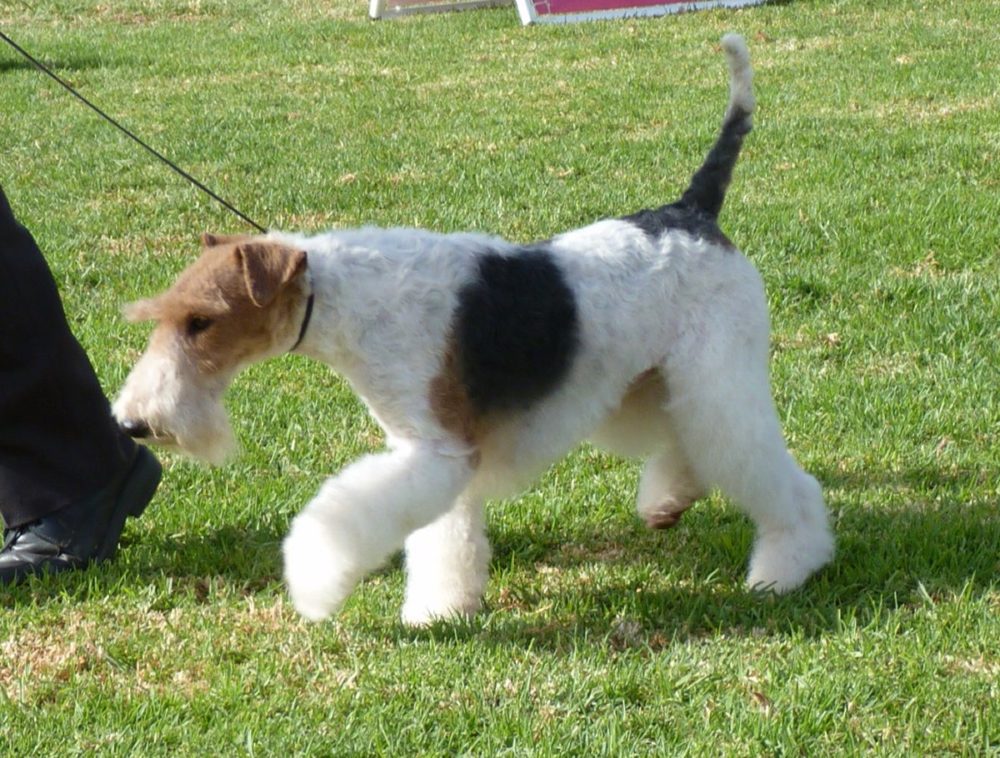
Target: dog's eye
x=197, y=324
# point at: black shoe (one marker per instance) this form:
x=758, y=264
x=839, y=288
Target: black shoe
x=84, y=532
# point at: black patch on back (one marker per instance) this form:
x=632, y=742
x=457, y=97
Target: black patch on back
x=681, y=217
x=516, y=329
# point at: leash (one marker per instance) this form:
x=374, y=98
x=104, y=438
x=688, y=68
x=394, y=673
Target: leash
x=69, y=88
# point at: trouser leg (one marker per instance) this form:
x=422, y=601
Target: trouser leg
x=58, y=440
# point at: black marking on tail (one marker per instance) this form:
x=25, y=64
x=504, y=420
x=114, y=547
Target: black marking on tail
x=698, y=209
x=710, y=182
x=516, y=329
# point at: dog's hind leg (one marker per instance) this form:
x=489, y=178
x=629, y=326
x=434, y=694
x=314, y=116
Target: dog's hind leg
x=363, y=515
x=641, y=427
x=447, y=564
x=667, y=486
x=730, y=431
x=726, y=422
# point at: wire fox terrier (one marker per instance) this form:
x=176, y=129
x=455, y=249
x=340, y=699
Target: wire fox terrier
x=485, y=361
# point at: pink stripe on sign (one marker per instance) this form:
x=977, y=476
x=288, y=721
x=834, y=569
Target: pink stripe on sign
x=543, y=7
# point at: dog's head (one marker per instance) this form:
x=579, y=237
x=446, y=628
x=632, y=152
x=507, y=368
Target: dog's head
x=242, y=301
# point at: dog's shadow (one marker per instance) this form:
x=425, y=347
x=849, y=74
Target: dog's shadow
x=604, y=581
x=248, y=555
x=889, y=559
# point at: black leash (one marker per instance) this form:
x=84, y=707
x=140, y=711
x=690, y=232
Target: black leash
x=69, y=88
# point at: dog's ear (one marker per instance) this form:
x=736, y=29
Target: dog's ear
x=267, y=267
x=214, y=240
x=141, y=310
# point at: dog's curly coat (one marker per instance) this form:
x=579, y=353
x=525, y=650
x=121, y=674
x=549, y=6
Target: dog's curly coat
x=484, y=361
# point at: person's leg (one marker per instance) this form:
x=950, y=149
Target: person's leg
x=58, y=440
x=59, y=445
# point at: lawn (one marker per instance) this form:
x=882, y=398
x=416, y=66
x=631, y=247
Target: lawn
x=868, y=196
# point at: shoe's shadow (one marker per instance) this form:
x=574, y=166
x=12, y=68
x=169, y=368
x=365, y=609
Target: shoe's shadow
x=246, y=559
x=247, y=554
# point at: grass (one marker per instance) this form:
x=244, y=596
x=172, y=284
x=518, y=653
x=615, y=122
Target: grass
x=868, y=196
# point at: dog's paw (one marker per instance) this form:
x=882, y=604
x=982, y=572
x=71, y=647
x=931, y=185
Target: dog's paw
x=783, y=560
x=424, y=611
x=319, y=579
x=666, y=513
x=666, y=490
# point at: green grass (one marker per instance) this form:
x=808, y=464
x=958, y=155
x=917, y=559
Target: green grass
x=868, y=196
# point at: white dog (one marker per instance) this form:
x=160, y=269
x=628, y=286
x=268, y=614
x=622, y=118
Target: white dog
x=484, y=361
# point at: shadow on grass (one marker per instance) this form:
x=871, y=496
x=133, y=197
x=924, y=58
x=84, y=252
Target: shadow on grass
x=888, y=561
x=61, y=67
x=249, y=554
x=247, y=559
x=554, y=584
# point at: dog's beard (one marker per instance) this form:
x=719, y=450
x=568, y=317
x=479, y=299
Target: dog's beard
x=203, y=433
x=210, y=440
x=179, y=414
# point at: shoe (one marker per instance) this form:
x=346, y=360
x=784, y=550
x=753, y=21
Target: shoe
x=82, y=533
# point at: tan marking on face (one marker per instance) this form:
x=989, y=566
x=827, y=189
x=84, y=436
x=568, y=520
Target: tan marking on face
x=237, y=302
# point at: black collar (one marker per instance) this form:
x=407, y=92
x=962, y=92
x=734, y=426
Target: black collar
x=305, y=322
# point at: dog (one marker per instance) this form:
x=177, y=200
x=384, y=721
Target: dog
x=484, y=361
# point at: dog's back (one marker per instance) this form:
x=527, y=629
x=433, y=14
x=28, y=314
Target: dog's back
x=515, y=321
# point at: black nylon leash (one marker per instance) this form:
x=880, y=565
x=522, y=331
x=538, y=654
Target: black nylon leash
x=69, y=88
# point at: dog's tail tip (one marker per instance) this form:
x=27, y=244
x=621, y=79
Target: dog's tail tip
x=736, y=48
x=707, y=189
x=741, y=99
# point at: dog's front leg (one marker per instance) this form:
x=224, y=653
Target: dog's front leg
x=361, y=516
x=447, y=565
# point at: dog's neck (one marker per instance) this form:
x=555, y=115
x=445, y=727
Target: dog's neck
x=332, y=334
x=319, y=331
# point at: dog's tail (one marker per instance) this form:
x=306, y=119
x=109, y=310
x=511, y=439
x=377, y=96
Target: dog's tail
x=709, y=183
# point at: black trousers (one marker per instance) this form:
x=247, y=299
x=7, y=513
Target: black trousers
x=58, y=440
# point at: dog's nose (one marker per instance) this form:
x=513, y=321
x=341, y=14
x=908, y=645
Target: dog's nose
x=135, y=428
